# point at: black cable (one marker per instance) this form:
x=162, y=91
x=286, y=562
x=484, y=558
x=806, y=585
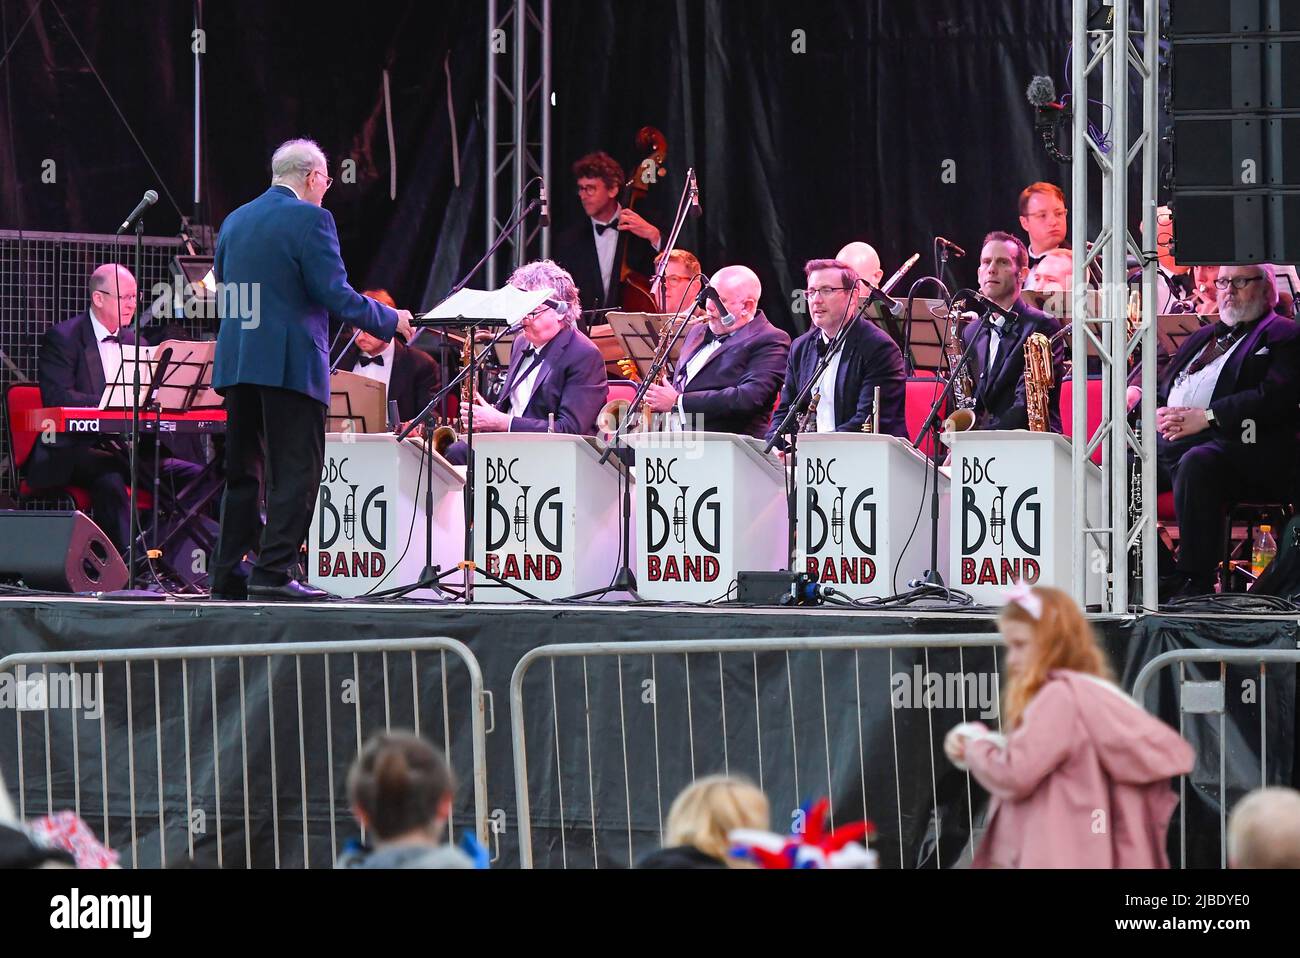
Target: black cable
x=410, y=530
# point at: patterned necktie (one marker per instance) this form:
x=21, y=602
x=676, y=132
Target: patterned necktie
x=1224, y=338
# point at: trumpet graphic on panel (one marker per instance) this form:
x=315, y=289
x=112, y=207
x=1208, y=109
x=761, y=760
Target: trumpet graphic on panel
x=521, y=517
x=679, y=516
x=350, y=515
x=998, y=518
x=837, y=519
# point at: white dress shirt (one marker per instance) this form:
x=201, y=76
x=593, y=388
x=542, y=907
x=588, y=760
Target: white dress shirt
x=379, y=373
x=995, y=338
x=606, y=247
x=110, y=354
x=826, y=391
x=1197, y=389
x=521, y=393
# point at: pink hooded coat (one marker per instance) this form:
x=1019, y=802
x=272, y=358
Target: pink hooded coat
x=1083, y=782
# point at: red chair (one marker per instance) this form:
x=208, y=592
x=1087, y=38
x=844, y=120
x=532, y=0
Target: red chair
x=1094, y=411
x=20, y=400
x=920, y=394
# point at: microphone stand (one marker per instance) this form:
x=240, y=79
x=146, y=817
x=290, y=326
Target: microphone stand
x=683, y=210
x=789, y=426
x=931, y=581
x=133, y=521
x=625, y=579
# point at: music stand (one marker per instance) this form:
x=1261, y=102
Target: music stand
x=924, y=339
x=639, y=335
x=357, y=404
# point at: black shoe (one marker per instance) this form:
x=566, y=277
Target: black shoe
x=229, y=596
x=234, y=589
x=291, y=591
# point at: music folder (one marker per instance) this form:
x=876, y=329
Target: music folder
x=358, y=404
x=485, y=307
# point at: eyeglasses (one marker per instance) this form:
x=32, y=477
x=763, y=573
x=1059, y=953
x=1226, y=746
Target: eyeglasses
x=825, y=291
x=590, y=189
x=329, y=180
x=1238, y=282
x=124, y=298
x=1046, y=215
x=678, y=279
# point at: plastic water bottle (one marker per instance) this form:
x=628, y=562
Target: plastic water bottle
x=1263, y=550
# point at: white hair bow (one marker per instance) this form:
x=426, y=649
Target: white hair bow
x=1024, y=596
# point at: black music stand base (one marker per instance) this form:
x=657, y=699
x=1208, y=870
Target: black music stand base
x=624, y=581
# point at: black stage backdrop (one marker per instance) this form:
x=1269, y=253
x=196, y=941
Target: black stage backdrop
x=809, y=125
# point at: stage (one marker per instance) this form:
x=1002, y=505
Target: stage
x=610, y=738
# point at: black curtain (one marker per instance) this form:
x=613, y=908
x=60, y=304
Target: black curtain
x=809, y=124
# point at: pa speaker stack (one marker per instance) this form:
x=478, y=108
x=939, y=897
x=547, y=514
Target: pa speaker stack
x=1234, y=99
x=58, y=552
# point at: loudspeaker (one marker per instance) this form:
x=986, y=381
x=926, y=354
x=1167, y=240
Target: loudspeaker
x=58, y=552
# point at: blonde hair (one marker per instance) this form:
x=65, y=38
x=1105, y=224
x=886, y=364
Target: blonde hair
x=1063, y=639
x=1264, y=830
x=711, y=807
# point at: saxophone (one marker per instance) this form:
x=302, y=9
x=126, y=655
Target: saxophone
x=963, y=387
x=1038, y=381
x=445, y=434
x=614, y=412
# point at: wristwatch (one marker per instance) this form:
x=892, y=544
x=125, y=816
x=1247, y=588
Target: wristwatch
x=1211, y=419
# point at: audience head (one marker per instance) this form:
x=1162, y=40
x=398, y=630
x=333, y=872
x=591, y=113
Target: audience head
x=1043, y=216
x=1264, y=830
x=1044, y=629
x=400, y=787
x=300, y=165
x=112, y=296
x=710, y=808
x=863, y=260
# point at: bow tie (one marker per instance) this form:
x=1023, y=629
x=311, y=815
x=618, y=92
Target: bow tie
x=111, y=338
x=601, y=227
x=711, y=337
x=821, y=345
x=367, y=360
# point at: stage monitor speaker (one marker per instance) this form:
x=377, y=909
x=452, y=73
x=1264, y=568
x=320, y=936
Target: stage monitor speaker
x=1199, y=18
x=1221, y=228
x=58, y=552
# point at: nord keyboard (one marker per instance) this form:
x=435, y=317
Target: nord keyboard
x=73, y=419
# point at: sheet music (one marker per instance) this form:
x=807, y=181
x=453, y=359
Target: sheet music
x=119, y=375
x=507, y=304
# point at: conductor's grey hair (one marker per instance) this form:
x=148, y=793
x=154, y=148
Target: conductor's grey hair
x=295, y=160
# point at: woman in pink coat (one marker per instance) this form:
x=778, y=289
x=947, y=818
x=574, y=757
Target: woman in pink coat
x=1082, y=779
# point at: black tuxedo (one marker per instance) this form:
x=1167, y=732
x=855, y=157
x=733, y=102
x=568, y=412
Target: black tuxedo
x=71, y=373
x=575, y=249
x=413, y=380
x=1251, y=454
x=1000, y=391
x=571, y=385
x=737, y=386
x=869, y=358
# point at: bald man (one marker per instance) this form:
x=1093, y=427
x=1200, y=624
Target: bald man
x=863, y=259
x=77, y=358
x=730, y=368
x=1264, y=830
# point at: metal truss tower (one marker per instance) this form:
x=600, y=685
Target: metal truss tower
x=518, y=131
x=1107, y=55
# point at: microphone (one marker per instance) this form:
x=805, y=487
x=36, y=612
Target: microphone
x=949, y=245
x=891, y=306
x=969, y=297
x=546, y=209
x=149, y=199
x=695, y=209
x=1042, y=94
x=707, y=293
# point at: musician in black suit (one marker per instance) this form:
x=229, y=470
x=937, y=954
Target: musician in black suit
x=76, y=358
x=868, y=358
x=555, y=370
x=729, y=369
x=410, y=376
x=997, y=363
x=590, y=249
x=1227, y=419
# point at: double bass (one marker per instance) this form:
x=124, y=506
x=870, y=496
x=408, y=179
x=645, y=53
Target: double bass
x=633, y=293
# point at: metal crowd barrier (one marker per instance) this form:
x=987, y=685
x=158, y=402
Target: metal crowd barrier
x=1201, y=697
x=730, y=706
x=302, y=716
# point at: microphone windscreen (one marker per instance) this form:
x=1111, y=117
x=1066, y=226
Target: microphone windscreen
x=1041, y=91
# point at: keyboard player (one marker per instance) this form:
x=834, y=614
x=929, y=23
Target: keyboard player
x=75, y=358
